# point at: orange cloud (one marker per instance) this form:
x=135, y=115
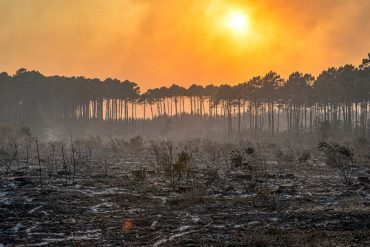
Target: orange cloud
x=162, y=42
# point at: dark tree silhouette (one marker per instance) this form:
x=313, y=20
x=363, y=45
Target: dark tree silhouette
x=338, y=96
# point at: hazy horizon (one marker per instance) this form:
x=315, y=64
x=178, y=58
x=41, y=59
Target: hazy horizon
x=160, y=43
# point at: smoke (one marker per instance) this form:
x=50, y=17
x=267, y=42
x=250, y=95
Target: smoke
x=162, y=42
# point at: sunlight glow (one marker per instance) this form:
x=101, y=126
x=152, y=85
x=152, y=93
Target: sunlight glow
x=238, y=22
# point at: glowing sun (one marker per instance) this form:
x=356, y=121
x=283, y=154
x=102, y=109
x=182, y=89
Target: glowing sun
x=238, y=22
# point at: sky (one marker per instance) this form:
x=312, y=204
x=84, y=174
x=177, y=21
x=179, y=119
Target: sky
x=160, y=42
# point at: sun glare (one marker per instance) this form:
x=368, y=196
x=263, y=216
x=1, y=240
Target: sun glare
x=238, y=22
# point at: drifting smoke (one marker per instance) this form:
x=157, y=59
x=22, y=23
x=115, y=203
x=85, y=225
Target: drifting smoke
x=162, y=42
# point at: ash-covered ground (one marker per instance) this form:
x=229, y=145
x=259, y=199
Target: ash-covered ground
x=270, y=200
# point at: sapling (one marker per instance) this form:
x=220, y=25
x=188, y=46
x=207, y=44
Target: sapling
x=39, y=162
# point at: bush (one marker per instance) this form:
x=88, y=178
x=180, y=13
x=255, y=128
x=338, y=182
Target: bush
x=163, y=153
x=243, y=159
x=136, y=144
x=339, y=157
x=304, y=157
x=250, y=150
x=237, y=158
x=182, y=164
x=283, y=157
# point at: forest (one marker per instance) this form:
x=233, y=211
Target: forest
x=268, y=162
x=268, y=104
x=195, y=123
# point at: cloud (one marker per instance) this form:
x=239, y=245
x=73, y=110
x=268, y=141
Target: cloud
x=160, y=42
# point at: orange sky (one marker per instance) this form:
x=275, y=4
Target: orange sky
x=160, y=42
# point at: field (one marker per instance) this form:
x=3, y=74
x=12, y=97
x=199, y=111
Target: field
x=277, y=196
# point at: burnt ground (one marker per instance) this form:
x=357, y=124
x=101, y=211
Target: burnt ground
x=301, y=205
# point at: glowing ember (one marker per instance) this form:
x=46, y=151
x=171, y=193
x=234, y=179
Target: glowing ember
x=127, y=225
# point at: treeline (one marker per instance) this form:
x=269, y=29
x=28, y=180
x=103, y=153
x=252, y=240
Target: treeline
x=338, y=97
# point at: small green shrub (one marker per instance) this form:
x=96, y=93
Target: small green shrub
x=182, y=164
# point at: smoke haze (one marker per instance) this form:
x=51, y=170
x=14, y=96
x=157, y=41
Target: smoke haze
x=163, y=42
